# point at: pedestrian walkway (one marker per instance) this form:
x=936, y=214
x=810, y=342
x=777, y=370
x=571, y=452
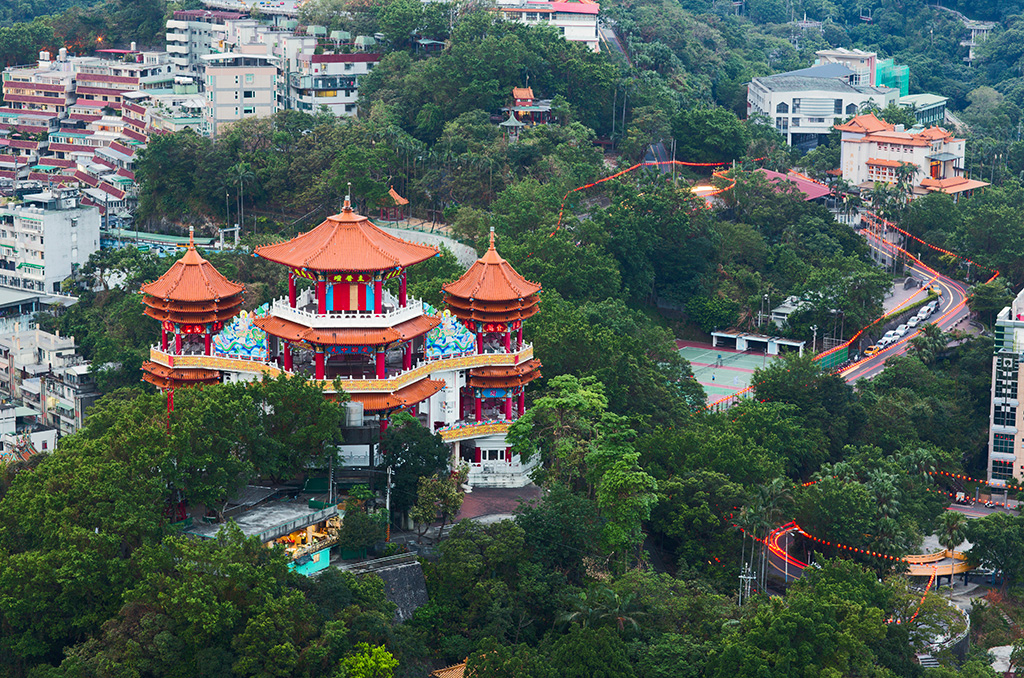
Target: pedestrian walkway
x=413, y=230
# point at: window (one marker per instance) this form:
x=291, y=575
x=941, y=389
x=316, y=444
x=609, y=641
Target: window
x=1002, y=443
x=837, y=107
x=249, y=77
x=250, y=110
x=249, y=94
x=782, y=124
x=1002, y=470
x=796, y=105
x=349, y=108
x=782, y=108
x=815, y=120
x=851, y=109
x=348, y=67
x=1004, y=415
x=796, y=122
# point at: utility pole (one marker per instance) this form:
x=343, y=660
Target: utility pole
x=814, y=344
x=746, y=577
x=387, y=504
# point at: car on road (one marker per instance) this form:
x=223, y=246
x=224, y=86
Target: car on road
x=901, y=330
x=913, y=322
x=872, y=350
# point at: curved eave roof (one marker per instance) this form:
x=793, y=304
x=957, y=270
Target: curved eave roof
x=403, y=397
x=170, y=377
x=291, y=331
x=192, y=279
x=491, y=278
x=346, y=242
x=470, y=315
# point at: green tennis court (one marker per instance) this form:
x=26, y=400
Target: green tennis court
x=722, y=372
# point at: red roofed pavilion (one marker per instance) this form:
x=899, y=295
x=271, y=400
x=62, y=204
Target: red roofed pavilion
x=491, y=298
x=348, y=321
x=192, y=300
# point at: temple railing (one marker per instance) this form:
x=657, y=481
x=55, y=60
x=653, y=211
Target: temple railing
x=393, y=315
x=422, y=369
x=464, y=430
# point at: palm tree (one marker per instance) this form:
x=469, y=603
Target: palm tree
x=952, y=532
x=602, y=604
x=241, y=174
x=929, y=343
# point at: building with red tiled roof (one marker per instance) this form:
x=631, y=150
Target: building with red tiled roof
x=192, y=301
x=347, y=324
x=873, y=151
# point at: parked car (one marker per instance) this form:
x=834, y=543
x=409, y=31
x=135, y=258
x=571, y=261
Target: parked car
x=889, y=336
x=901, y=330
x=912, y=323
x=872, y=350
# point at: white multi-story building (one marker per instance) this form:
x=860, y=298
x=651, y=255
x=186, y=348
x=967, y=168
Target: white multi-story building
x=44, y=239
x=26, y=355
x=575, y=21
x=873, y=150
x=67, y=394
x=238, y=85
x=330, y=80
x=1006, y=416
x=805, y=104
x=191, y=33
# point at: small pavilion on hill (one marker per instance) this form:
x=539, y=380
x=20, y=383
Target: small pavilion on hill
x=492, y=299
x=192, y=301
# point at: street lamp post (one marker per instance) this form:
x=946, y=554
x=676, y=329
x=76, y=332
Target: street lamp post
x=814, y=344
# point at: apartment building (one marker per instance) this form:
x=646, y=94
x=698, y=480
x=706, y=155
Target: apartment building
x=574, y=21
x=26, y=355
x=1006, y=416
x=238, y=85
x=330, y=80
x=193, y=33
x=44, y=239
x=67, y=394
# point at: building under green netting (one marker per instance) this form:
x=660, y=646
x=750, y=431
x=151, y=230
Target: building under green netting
x=890, y=74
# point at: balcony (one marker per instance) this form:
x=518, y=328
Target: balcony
x=177, y=49
x=305, y=313
x=353, y=384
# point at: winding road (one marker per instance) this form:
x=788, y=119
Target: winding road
x=952, y=308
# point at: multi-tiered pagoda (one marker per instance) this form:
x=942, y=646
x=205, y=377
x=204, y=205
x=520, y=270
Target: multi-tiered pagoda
x=192, y=300
x=347, y=324
x=351, y=326
x=492, y=300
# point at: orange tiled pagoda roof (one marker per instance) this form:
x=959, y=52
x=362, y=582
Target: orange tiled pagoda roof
x=169, y=377
x=504, y=376
x=192, y=279
x=403, y=397
x=492, y=291
x=375, y=336
x=344, y=243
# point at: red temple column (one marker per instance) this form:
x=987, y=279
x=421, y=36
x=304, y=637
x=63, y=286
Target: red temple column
x=522, y=401
x=479, y=343
x=381, y=367
x=177, y=342
x=291, y=289
x=287, y=353
x=321, y=364
x=402, y=296
x=407, y=356
x=163, y=339
x=321, y=297
x=378, y=295
x=508, y=341
x=508, y=408
x=476, y=456
x=519, y=332
x=383, y=424
x=207, y=343
x=508, y=455
x=479, y=409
